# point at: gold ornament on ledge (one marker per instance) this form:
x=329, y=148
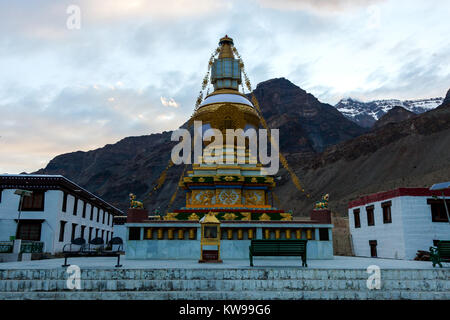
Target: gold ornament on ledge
x=264, y=217
x=229, y=216
x=194, y=217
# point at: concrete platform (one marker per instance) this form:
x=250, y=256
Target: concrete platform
x=340, y=278
x=339, y=262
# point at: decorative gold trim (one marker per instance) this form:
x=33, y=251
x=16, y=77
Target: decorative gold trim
x=194, y=217
x=247, y=216
x=229, y=216
x=264, y=217
x=286, y=216
x=171, y=216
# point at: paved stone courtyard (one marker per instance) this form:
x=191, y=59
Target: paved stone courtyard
x=339, y=262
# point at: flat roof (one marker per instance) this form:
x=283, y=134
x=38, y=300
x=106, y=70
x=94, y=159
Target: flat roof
x=399, y=192
x=53, y=182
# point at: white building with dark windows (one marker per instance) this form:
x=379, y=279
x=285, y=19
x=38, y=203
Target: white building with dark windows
x=398, y=223
x=57, y=212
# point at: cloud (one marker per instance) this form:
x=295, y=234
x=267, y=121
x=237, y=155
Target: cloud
x=169, y=102
x=318, y=6
x=36, y=128
x=135, y=67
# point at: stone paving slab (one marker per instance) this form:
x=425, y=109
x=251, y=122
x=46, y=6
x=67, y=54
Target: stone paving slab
x=339, y=262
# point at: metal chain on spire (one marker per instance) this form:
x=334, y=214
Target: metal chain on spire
x=162, y=178
x=205, y=82
x=174, y=195
x=283, y=160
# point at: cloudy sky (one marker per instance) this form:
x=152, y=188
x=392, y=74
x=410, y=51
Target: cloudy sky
x=135, y=67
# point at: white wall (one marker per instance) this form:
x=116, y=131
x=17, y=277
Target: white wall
x=411, y=229
x=52, y=215
x=389, y=236
x=418, y=227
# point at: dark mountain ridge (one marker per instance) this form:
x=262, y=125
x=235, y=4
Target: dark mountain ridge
x=330, y=154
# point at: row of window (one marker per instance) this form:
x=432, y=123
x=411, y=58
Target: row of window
x=387, y=216
x=437, y=208
x=98, y=233
x=83, y=215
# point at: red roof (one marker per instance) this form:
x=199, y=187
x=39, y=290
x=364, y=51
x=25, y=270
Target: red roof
x=400, y=192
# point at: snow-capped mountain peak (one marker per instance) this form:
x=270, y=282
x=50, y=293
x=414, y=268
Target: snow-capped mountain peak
x=367, y=113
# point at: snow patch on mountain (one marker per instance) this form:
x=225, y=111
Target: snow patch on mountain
x=367, y=113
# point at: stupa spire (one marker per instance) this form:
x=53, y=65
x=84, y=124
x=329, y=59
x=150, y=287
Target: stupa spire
x=226, y=70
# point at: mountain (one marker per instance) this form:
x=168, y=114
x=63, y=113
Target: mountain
x=134, y=164
x=305, y=123
x=367, y=113
x=326, y=150
x=396, y=114
x=410, y=153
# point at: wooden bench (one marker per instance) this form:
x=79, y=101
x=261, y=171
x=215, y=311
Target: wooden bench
x=278, y=248
x=440, y=253
x=95, y=248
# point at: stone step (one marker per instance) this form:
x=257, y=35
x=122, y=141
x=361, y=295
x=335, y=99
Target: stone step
x=223, y=285
x=225, y=274
x=228, y=295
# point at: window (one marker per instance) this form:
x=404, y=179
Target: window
x=64, y=206
x=35, y=202
x=109, y=217
x=82, y=231
x=103, y=218
x=356, y=218
x=134, y=233
x=84, y=209
x=98, y=214
x=29, y=230
x=103, y=234
x=107, y=236
x=75, y=206
x=370, y=218
x=62, y=225
x=92, y=212
x=438, y=212
x=1, y=191
x=387, y=217
x=96, y=232
x=373, y=248
x=323, y=234
x=74, y=229
x=90, y=233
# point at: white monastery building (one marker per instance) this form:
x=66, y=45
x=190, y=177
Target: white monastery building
x=398, y=223
x=57, y=211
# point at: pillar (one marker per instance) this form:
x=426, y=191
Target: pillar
x=240, y=234
x=160, y=233
x=288, y=233
x=298, y=234
x=250, y=234
x=277, y=234
x=181, y=234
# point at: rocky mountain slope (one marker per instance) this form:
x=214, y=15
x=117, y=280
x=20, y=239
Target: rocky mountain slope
x=396, y=114
x=329, y=153
x=305, y=123
x=410, y=153
x=367, y=113
x=133, y=164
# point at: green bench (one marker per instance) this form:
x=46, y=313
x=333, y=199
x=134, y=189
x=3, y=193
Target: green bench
x=278, y=248
x=440, y=253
